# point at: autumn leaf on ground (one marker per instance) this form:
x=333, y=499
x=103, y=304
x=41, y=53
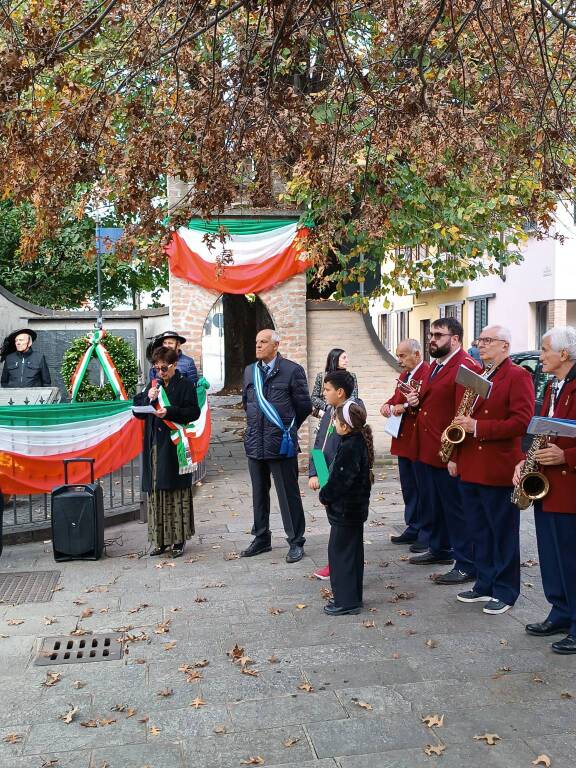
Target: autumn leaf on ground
x=434, y=749
x=50, y=620
x=201, y=664
x=489, y=738
x=275, y=611
x=290, y=741
x=86, y=613
x=404, y=612
x=79, y=632
x=89, y=724
x=51, y=679
x=301, y=606
x=200, y=599
x=79, y=601
x=537, y=679
x=542, y=760
x=362, y=704
x=193, y=676
x=154, y=730
x=13, y=738
x=79, y=684
x=198, y=702
x=162, y=627
x=214, y=585
x=106, y=721
x=566, y=695
x=529, y=563
x=273, y=659
x=166, y=693
x=232, y=556
x=368, y=624
x=325, y=593
x=219, y=729
x=165, y=564
x=69, y=715
x=138, y=608
x=305, y=686
x=252, y=761
x=235, y=653
x=15, y=622
x=433, y=721
x=251, y=672
x=170, y=646
x=48, y=763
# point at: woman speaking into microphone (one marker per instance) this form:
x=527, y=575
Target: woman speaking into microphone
x=166, y=466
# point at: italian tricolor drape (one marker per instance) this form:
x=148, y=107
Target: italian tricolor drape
x=34, y=440
x=264, y=253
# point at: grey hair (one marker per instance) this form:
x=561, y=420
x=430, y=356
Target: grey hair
x=562, y=337
x=503, y=332
x=412, y=344
x=275, y=337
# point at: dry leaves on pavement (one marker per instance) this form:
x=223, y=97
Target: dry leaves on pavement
x=170, y=646
x=79, y=684
x=369, y=624
x=489, y=738
x=13, y=738
x=15, y=622
x=290, y=741
x=433, y=721
x=362, y=704
x=68, y=716
x=50, y=620
x=138, y=608
x=86, y=613
x=162, y=627
x=434, y=749
x=305, y=686
x=301, y=606
x=252, y=761
x=431, y=643
x=219, y=729
x=542, y=760
x=275, y=611
x=198, y=702
x=51, y=679
x=154, y=730
x=165, y=693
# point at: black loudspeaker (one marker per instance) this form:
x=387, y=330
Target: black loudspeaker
x=77, y=518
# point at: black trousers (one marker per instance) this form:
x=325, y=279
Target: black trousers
x=285, y=474
x=346, y=560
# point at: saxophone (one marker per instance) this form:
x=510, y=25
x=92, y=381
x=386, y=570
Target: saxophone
x=533, y=485
x=454, y=433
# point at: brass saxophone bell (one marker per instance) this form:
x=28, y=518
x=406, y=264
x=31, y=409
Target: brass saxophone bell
x=534, y=485
x=454, y=434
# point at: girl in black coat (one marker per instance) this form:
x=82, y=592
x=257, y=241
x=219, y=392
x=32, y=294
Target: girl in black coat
x=346, y=497
x=170, y=504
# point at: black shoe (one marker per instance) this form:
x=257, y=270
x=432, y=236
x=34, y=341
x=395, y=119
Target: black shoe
x=255, y=548
x=295, y=553
x=454, y=577
x=566, y=646
x=336, y=610
x=418, y=548
x=544, y=628
x=178, y=549
x=428, y=558
x=157, y=551
x=404, y=538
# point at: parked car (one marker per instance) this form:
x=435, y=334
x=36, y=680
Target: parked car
x=531, y=361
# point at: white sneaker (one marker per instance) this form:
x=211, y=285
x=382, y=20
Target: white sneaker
x=496, y=606
x=470, y=596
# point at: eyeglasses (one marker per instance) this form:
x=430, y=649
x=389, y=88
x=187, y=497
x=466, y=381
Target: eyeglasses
x=164, y=368
x=438, y=335
x=487, y=340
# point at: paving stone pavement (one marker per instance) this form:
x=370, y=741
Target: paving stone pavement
x=319, y=692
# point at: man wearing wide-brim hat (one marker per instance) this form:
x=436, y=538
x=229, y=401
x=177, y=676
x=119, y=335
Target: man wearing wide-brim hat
x=23, y=366
x=173, y=340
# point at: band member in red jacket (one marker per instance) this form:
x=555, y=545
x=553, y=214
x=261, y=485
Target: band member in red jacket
x=485, y=462
x=555, y=514
x=414, y=369
x=443, y=519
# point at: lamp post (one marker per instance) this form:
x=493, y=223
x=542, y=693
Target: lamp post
x=99, y=322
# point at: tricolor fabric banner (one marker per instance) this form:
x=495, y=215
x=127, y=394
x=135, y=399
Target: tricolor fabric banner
x=34, y=440
x=264, y=252
x=95, y=340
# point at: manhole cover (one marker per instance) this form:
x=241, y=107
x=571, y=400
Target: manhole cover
x=78, y=650
x=26, y=587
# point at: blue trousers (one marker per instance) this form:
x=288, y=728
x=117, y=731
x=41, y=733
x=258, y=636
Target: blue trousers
x=443, y=521
x=495, y=530
x=411, y=496
x=556, y=537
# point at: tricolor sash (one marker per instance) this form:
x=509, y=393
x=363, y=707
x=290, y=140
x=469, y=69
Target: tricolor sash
x=287, y=448
x=182, y=434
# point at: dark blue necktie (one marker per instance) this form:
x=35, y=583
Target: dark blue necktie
x=435, y=371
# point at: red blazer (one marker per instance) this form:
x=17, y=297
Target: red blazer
x=403, y=444
x=439, y=399
x=502, y=419
x=562, y=494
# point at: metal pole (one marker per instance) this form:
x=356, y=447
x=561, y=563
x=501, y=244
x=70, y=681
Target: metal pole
x=98, y=273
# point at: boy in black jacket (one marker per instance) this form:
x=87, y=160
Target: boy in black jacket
x=338, y=387
x=346, y=497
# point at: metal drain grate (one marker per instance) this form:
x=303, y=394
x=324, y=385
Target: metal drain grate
x=78, y=650
x=27, y=587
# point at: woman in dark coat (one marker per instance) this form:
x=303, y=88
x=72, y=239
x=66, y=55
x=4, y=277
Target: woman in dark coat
x=337, y=360
x=170, y=505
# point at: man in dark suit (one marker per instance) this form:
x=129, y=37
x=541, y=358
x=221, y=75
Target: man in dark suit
x=485, y=463
x=414, y=370
x=23, y=366
x=276, y=405
x=555, y=513
x=443, y=519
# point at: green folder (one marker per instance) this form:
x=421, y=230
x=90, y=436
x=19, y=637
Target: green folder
x=322, y=471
